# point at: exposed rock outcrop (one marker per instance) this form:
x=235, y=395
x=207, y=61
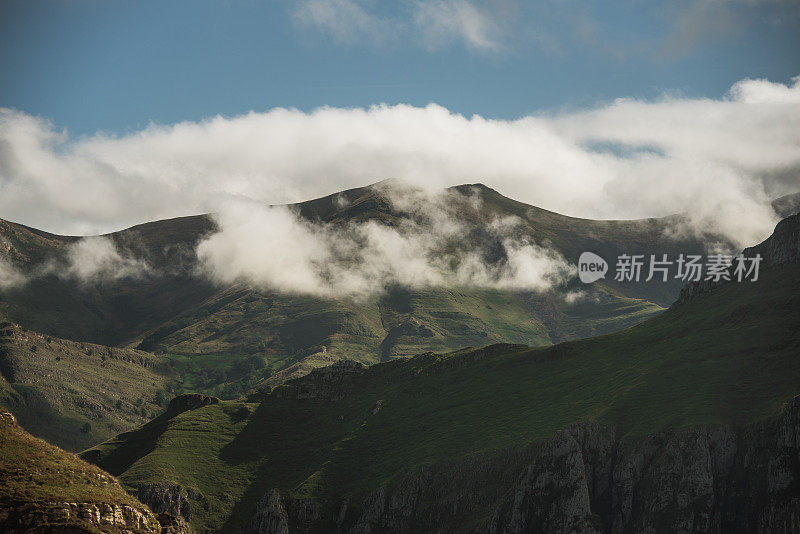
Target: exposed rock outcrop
x=171, y=524
x=585, y=478
x=270, y=516
x=54, y=474
x=28, y=518
x=166, y=498
x=7, y=418
x=781, y=248
x=40, y=517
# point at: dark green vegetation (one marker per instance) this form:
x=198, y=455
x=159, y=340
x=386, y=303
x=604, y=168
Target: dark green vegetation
x=76, y=394
x=727, y=356
x=174, y=311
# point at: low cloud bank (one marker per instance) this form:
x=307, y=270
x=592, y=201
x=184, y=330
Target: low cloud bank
x=719, y=160
x=89, y=260
x=94, y=260
x=273, y=248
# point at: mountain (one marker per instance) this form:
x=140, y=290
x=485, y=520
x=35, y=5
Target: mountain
x=685, y=422
x=74, y=393
x=45, y=489
x=172, y=310
x=71, y=350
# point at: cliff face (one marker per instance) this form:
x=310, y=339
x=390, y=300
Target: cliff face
x=585, y=478
x=25, y=518
x=781, y=248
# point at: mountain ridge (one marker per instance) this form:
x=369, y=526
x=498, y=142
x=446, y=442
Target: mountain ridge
x=225, y=339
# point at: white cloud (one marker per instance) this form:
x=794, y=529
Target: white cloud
x=96, y=259
x=346, y=21
x=435, y=23
x=719, y=160
x=10, y=276
x=273, y=248
x=442, y=21
x=763, y=91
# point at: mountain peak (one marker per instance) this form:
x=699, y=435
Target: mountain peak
x=787, y=205
x=783, y=246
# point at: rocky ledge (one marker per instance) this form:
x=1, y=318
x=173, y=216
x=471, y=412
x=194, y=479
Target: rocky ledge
x=24, y=518
x=75, y=518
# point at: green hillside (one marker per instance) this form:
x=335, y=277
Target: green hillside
x=72, y=393
x=185, y=318
x=76, y=394
x=728, y=356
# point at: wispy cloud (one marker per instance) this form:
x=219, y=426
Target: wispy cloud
x=345, y=21
x=552, y=27
x=10, y=276
x=93, y=260
x=697, y=22
x=443, y=21
x=271, y=247
x=434, y=23
x=692, y=23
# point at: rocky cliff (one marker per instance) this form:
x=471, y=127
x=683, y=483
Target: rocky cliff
x=781, y=248
x=29, y=518
x=585, y=478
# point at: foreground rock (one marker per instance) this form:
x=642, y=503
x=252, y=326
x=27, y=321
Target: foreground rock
x=76, y=517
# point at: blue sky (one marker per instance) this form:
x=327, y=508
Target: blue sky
x=116, y=65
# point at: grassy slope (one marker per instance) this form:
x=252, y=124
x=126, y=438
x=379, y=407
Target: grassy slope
x=55, y=387
x=32, y=470
x=105, y=313
x=288, y=329
x=210, y=334
x=729, y=356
